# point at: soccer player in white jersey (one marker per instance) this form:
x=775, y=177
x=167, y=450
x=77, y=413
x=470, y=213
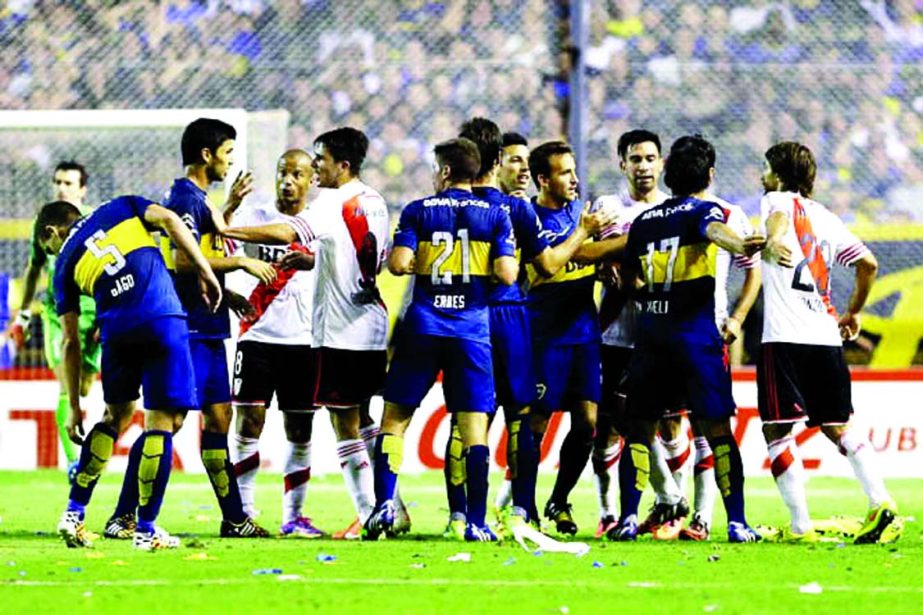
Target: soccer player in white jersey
x=274, y=351
x=641, y=162
x=802, y=373
x=349, y=223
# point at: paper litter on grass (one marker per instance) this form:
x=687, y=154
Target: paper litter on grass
x=547, y=544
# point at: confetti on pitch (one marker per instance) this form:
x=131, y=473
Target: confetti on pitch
x=460, y=557
x=510, y=561
x=75, y=569
x=262, y=571
x=199, y=557
x=418, y=566
x=289, y=577
x=811, y=588
x=714, y=557
x=598, y=565
x=326, y=558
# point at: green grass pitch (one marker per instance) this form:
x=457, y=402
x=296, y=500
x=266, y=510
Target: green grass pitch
x=38, y=574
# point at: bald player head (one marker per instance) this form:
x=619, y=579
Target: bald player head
x=293, y=179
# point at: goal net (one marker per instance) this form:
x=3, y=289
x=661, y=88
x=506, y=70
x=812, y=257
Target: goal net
x=133, y=151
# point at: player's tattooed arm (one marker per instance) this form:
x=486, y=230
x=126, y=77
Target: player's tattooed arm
x=776, y=251
x=182, y=238
x=70, y=352
x=402, y=261
x=575, y=247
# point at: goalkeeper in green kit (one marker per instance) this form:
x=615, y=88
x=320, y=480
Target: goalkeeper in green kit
x=70, y=184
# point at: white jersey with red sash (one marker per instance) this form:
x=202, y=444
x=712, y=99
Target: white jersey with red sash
x=797, y=300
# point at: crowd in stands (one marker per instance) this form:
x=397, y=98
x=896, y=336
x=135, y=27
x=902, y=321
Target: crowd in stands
x=844, y=78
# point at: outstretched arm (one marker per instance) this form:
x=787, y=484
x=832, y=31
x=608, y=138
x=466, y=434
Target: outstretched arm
x=724, y=236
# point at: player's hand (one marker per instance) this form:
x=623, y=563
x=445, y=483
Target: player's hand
x=753, y=244
x=731, y=330
x=74, y=425
x=779, y=253
x=261, y=270
x=608, y=274
x=210, y=289
x=296, y=259
x=18, y=330
x=240, y=305
x=242, y=186
x=594, y=222
x=850, y=325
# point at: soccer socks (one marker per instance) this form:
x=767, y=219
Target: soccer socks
x=389, y=455
x=704, y=478
x=454, y=472
x=575, y=452
x=94, y=455
x=788, y=470
x=678, y=452
x=862, y=459
x=153, y=474
x=246, y=468
x=61, y=413
x=634, y=474
x=523, y=465
x=357, y=473
x=369, y=434
x=666, y=490
x=477, y=462
x=729, y=475
x=605, y=477
x=128, y=496
x=216, y=459
x=297, y=475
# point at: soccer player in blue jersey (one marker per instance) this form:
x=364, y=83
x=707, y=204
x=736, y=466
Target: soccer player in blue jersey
x=510, y=334
x=111, y=256
x=565, y=327
x=671, y=254
x=452, y=242
x=207, y=150
x=513, y=175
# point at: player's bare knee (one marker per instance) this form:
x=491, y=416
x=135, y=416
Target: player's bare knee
x=776, y=431
x=670, y=427
x=250, y=421
x=119, y=416
x=217, y=418
x=834, y=432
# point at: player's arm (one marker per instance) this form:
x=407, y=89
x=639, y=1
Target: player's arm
x=610, y=248
x=725, y=237
x=70, y=353
x=402, y=261
x=182, y=238
x=575, y=247
x=776, y=250
x=753, y=280
x=242, y=186
x=506, y=269
x=269, y=234
x=866, y=272
x=20, y=326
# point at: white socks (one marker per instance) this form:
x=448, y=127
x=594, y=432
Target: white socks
x=862, y=459
x=605, y=477
x=788, y=470
x=297, y=475
x=358, y=475
x=246, y=466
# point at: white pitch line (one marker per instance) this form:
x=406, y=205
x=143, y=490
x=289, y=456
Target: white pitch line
x=531, y=583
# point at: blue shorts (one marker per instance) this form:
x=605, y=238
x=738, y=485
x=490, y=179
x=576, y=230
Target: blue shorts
x=511, y=348
x=467, y=375
x=566, y=374
x=665, y=375
x=154, y=357
x=211, y=371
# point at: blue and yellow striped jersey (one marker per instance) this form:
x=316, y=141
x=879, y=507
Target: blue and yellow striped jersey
x=188, y=202
x=111, y=256
x=529, y=239
x=667, y=243
x=562, y=307
x=455, y=237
